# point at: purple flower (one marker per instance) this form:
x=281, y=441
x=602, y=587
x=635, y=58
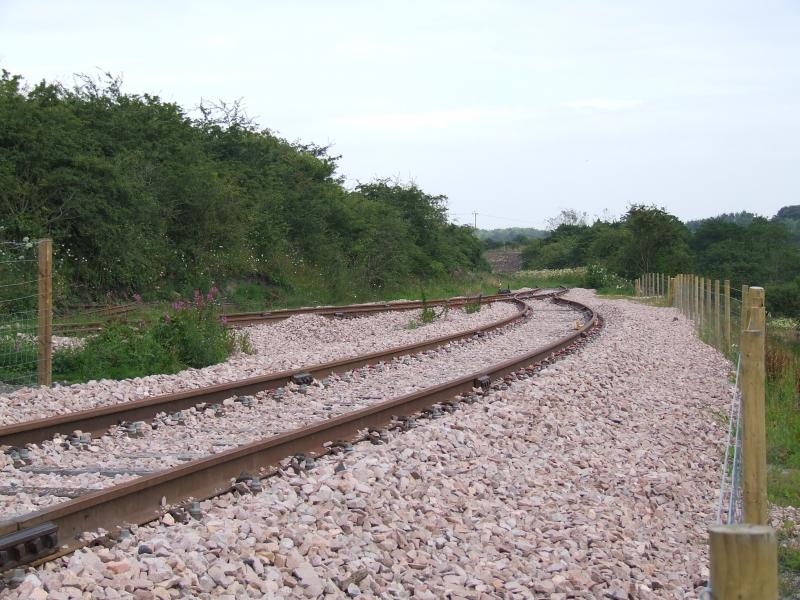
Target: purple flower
x=137, y=298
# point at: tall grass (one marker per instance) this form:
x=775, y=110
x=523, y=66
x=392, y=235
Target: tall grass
x=783, y=447
x=188, y=334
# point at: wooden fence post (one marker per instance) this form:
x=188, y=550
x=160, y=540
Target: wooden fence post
x=701, y=307
x=754, y=442
x=744, y=562
x=727, y=295
x=698, y=301
x=717, y=315
x=45, y=312
x=744, y=316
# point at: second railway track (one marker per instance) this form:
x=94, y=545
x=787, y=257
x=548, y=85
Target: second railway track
x=44, y=533
x=98, y=419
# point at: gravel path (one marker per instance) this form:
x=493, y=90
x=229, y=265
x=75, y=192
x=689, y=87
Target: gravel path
x=596, y=478
x=195, y=433
x=295, y=342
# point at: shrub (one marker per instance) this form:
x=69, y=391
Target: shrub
x=191, y=334
x=599, y=278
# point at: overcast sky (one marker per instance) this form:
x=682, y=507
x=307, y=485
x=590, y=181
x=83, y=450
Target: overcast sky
x=512, y=109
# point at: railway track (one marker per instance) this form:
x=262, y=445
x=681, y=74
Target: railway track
x=53, y=531
x=97, y=420
x=250, y=318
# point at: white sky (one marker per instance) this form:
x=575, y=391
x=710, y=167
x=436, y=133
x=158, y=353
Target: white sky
x=512, y=109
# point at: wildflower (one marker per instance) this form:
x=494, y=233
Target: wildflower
x=137, y=298
x=224, y=319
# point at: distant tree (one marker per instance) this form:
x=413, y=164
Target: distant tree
x=568, y=216
x=789, y=212
x=656, y=241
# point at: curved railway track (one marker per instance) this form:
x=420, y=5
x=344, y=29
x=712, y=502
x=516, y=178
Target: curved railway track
x=56, y=530
x=250, y=318
x=97, y=420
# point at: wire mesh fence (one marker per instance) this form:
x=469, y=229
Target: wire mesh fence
x=731, y=508
x=742, y=545
x=19, y=321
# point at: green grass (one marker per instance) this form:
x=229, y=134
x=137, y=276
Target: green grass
x=783, y=449
x=189, y=334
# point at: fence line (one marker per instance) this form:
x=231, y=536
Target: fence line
x=743, y=548
x=25, y=313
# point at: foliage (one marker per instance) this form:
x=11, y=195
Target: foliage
x=472, y=307
x=495, y=238
x=427, y=314
x=742, y=248
x=645, y=239
x=190, y=334
x=138, y=195
x=600, y=278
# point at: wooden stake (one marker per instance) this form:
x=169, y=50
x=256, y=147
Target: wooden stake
x=727, y=296
x=45, y=317
x=744, y=316
x=701, y=307
x=744, y=562
x=754, y=440
x=698, y=302
x=717, y=315
x=683, y=292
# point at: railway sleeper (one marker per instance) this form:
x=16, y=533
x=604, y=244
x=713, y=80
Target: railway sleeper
x=27, y=545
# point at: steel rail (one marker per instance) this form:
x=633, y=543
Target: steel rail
x=97, y=420
x=56, y=530
x=248, y=318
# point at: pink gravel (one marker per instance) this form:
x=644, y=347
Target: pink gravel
x=168, y=443
x=597, y=478
x=298, y=341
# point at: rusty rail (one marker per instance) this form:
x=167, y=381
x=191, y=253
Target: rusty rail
x=97, y=420
x=248, y=318
x=54, y=531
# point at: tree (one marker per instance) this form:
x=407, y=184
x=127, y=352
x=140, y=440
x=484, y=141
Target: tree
x=657, y=241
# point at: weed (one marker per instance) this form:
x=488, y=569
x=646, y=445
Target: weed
x=473, y=307
x=191, y=334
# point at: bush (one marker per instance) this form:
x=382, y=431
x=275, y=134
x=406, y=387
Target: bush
x=596, y=277
x=191, y=334
x=599, y=278
x=784, y=298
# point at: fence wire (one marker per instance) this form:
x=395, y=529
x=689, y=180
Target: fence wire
x=730, y=507
x=18, y=314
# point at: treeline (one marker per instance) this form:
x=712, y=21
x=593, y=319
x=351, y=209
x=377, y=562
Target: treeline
x=648, y=239
x=140, y=197
x=508, y=236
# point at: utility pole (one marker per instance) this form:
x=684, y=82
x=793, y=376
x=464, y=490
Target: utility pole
x=475, y=216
